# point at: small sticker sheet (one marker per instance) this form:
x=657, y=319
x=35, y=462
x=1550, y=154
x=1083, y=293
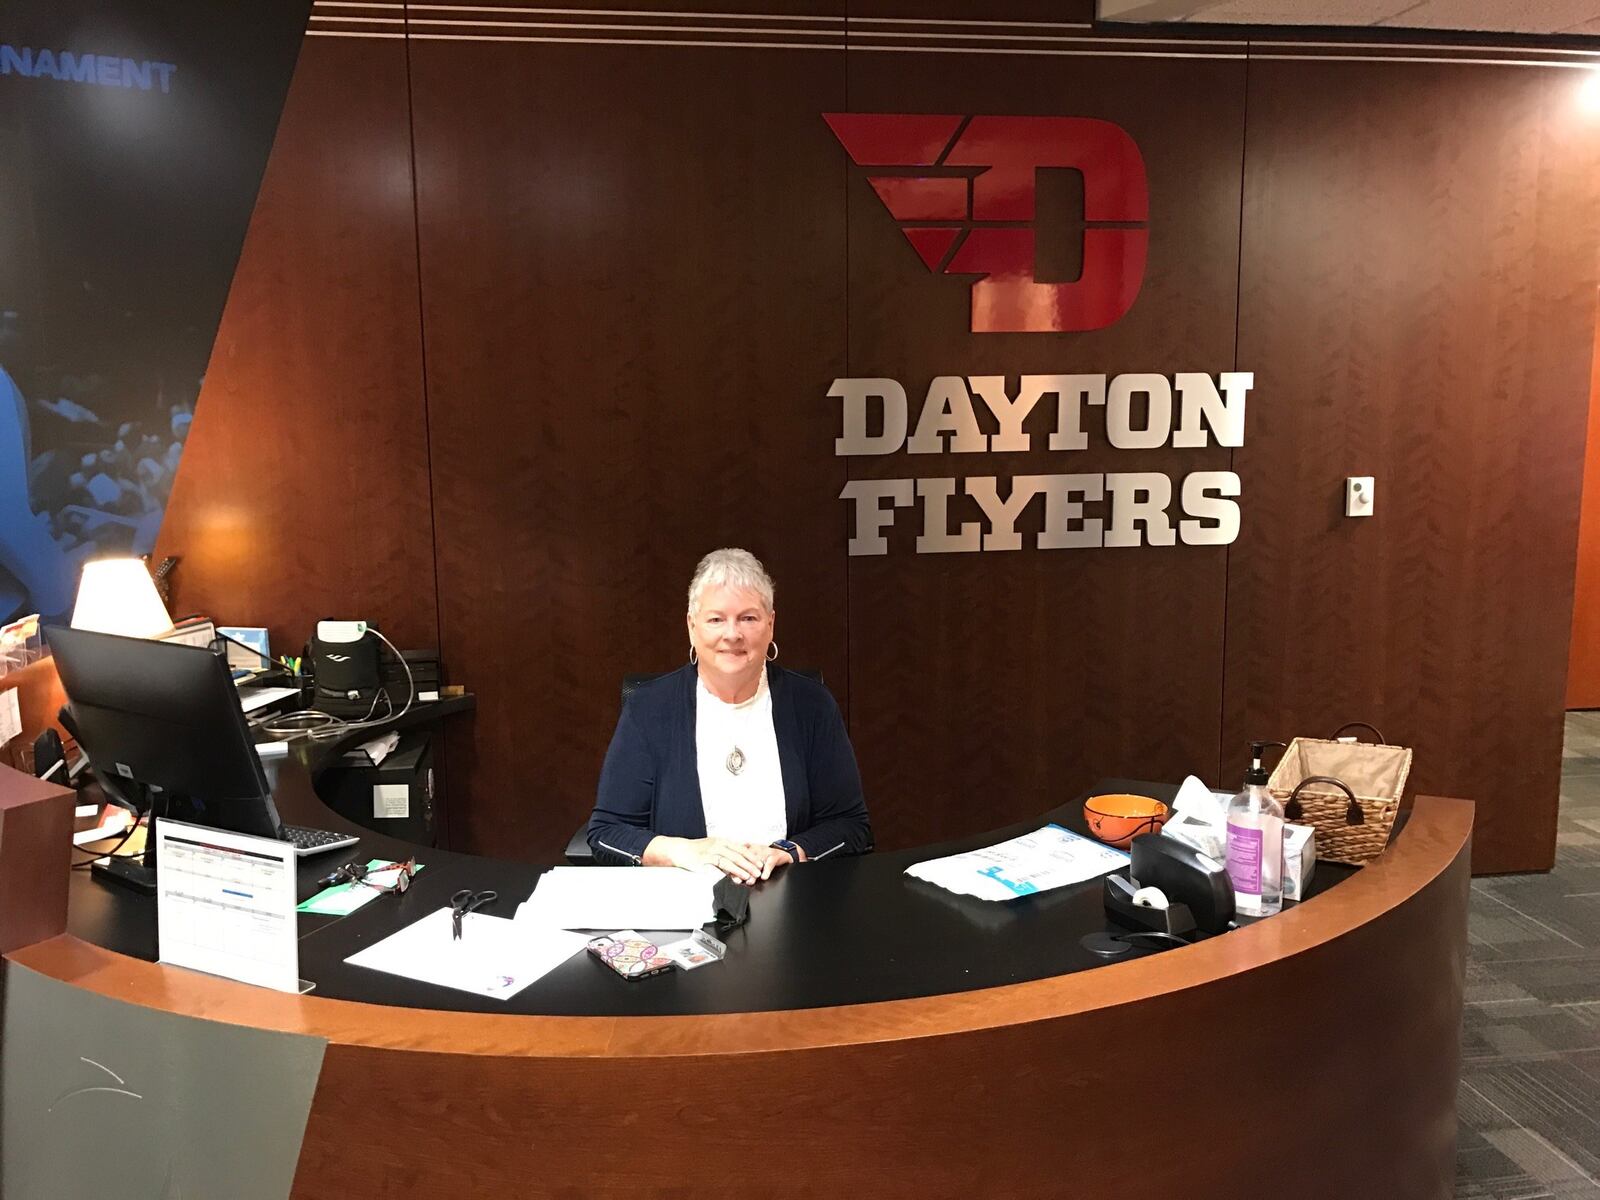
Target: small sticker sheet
x=696, y=950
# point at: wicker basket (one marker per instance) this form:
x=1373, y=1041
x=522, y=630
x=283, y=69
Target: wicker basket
x=1349, y=791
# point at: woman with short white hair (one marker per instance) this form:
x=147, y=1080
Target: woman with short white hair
x=730, y=761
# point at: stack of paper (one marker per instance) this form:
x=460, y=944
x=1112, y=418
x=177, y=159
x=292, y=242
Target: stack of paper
x=620, y=898
x=494, y=957
x=1048, y=858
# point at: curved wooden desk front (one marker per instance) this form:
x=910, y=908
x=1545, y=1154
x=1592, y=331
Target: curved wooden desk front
x=1315, y=1054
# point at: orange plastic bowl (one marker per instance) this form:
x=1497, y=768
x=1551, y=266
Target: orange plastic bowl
x=1118, y=819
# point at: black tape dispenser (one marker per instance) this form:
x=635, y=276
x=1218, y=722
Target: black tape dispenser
x=1173, y=891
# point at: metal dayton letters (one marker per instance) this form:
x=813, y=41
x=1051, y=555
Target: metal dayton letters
x=1126, y=508
x=963, y=190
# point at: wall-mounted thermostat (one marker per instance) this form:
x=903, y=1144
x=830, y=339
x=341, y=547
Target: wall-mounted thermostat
x=1358, y=496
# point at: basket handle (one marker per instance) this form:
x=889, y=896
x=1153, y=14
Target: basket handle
x=1359, y=725
x=1352, y=813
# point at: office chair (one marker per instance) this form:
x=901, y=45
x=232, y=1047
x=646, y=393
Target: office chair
x=578, y=852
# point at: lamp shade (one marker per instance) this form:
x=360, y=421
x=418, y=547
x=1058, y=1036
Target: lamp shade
x=117, y=595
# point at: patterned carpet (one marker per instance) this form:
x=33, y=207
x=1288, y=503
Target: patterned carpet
x=1530, y=1079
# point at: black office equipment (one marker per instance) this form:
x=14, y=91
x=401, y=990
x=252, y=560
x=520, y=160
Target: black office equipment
x=423, y=684
x=351, y=790
x=164, y=733
x=345, y=661
x=1199, y=894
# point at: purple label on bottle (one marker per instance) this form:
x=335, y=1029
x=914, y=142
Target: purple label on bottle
x=1244, y=858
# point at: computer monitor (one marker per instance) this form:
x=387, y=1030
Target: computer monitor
x=168, y=717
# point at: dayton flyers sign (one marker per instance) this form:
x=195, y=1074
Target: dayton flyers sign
x=962, y=189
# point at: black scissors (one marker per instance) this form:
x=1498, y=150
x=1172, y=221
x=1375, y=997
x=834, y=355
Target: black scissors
x=465, y=901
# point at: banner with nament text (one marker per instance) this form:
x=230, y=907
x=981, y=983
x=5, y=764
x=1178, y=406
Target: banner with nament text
x=133, y=137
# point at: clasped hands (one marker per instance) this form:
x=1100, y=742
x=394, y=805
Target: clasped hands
x=744, y=861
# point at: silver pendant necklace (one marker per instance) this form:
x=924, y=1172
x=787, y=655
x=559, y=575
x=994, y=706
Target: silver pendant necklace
x=736, y=760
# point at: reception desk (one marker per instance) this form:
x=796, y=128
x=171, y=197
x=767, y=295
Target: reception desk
x=867, y=1034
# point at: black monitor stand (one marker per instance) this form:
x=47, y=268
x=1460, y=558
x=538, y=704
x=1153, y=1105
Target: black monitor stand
x=127, y=871
x=138, y=874
x=139, y=871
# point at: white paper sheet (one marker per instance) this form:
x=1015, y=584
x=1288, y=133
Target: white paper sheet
x=374, y=751
x=1048, y=858
x=391, y=800
x=225, y=904
x=609, y=898
x=10, y=715
x=251, y=699
x=118, y=821
x=496, y=956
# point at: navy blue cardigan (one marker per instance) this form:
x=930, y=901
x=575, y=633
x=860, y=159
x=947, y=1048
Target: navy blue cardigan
x=650, y=783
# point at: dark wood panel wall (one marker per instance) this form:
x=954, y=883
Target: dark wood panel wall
x=997, y=683
x=304, y=493
x=632, y=304
x=599, y=338
x=1416, y=299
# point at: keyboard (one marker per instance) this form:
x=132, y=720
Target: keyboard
x=315, y=841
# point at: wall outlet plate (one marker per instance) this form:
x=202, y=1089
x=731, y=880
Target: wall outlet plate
x=1358, y=496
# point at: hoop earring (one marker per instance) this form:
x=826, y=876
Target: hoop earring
x=693, y=657
x=772, y=651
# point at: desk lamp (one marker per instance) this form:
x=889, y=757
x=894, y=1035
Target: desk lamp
x=117, y=595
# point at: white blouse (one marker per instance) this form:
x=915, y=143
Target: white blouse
x=741, y=780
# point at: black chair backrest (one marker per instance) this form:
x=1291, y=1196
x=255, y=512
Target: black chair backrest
x=631, y=682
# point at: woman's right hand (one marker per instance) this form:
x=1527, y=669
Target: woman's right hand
x=737, y=860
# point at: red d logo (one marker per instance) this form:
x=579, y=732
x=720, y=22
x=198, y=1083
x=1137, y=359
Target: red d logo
x=972, y=211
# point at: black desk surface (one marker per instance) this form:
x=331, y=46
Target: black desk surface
x=840, y=931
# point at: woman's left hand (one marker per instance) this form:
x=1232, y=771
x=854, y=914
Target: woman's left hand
x=772, y=858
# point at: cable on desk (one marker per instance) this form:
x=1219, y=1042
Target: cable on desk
x=96, y=856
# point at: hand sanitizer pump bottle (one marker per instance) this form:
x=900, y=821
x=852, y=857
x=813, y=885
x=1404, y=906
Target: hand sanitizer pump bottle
x=1255, y=843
